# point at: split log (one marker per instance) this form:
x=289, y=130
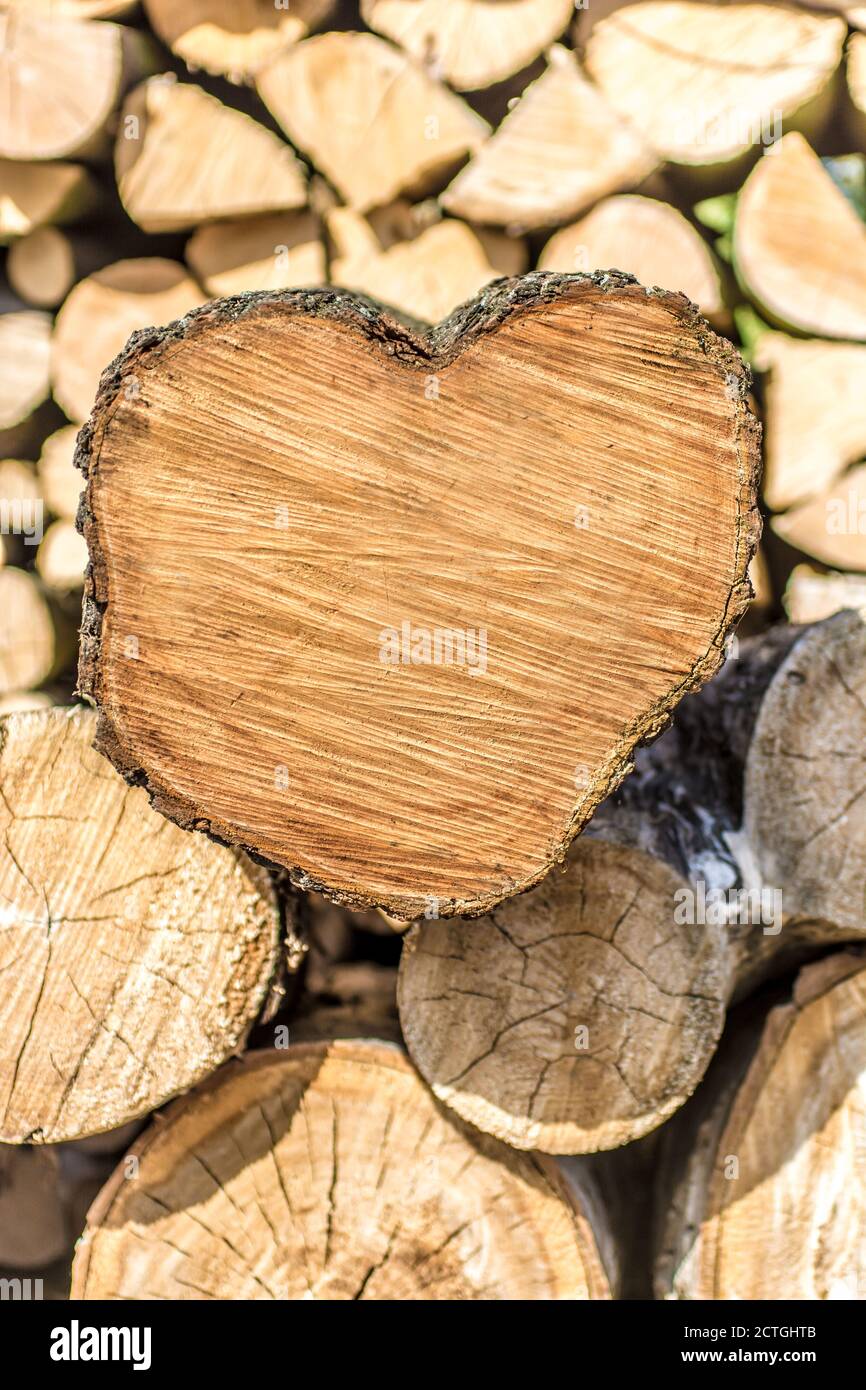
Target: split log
x=33, y=195
x=429, y=276
x=368, y=117
x=646, y=238
x=558, y=151
x=100, y=314
x=279, y=252
x=799, y=246
x=141, y=954
x=22, y=701
x=769, y=1201
x=706, y=83
x=580, y=1016
x=60, y=482
x=831, y=527
x=182, y=157
x=814, y=414
x=811, y=595
x=350, y=1183
x=25, y=357
x=230, y=38
x=62, y=558
x=470, y=44
x=35, y=642
x=478, y=529
x=86, y=67
x=33, y=1229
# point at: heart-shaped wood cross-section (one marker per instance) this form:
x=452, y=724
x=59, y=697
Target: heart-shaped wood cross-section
x=393, y=611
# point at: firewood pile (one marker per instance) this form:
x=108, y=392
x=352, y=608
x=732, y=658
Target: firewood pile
x=433, y=649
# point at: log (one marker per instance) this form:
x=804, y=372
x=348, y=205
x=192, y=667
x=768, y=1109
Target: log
x=582, y=1015
x=768, y=1203
x=575, y=1018
x=856, y=74
x=35, y=642
x=470, y=44
x=332, y=655
x=33, y=1228
x=814, y=414
x=100, y=314
x=799, y=246
x=831, y=527
x=25, y=355
x=234, y=39
x=349, y=1182
x=368, y=117
x=705, y=83
x=59, y=480
x=811, y=595
x=41, y=267
x=428, y=277
x=182, y=157
x=62, y=558
x=141, y=954
x=85, y=66
x=33, y=195
x=278, y=252
x=558, y=151
x=77, y=9
x=646, y=238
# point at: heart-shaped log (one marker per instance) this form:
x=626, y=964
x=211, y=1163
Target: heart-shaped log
x=392, y=610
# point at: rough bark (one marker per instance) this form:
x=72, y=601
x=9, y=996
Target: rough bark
x=382, y=834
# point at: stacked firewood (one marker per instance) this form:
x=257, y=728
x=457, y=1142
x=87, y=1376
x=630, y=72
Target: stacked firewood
x=501, y=974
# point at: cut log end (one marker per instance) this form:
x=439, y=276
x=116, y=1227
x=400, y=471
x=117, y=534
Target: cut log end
x=574, y=1019
x=137, y=956
x=453, y=644
x=352, y=1183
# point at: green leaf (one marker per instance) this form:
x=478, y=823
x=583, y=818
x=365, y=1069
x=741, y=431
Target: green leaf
x=750, y=327
x=717, y=213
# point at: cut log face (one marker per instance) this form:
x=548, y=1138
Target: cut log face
x=368, y=117
x=792, y=1142
x=349, y=1182
x=80, y=64
x=429, y=276
x=182, y=157
x=704, y=83
x=34, y=194
x=99, y=315
x=815, y=414
x=470, y=43
x=137, y=956
x=575, y=1018
x=258, y=253
x=555, y=154
x=41, y=267
x=233, y=37
x=646, y=238
x=25, y=356
x=799, y=246
x=62, y=557
x=811, y=596
x=832, y=526
x=409, y=592
x=808, y=834
x=28, y=645
x=59, y=480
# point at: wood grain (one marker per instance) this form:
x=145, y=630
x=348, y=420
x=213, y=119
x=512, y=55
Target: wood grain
x=324, y=476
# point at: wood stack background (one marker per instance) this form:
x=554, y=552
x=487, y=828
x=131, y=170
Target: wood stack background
x=415, y=150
